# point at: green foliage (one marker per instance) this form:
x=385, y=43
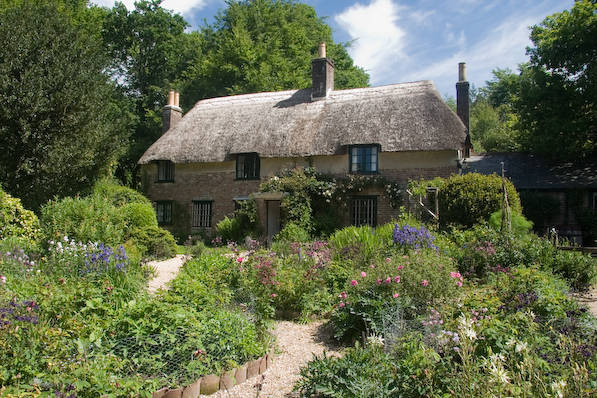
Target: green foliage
x=471, y=198
x=559, y=86
x=243, y=223
x=265, y=45
x=63, y=132
x=139, y=215
x=154, y=242
x=90, y=219
x=16, y=221
x=520, y=225
x=118, y=194
x=292, y=233
x=493, y=129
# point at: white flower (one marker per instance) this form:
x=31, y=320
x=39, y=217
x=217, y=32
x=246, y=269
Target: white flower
x=558, y=388
x=510, y=342
x=521, y=347
x=375, y=340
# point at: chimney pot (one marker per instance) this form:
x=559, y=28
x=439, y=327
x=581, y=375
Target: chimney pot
x=171, y=97
x=176, y=98
x=462, y=71
x=171, y=113
x=321, y=50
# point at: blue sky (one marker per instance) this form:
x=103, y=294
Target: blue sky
x=407, y=40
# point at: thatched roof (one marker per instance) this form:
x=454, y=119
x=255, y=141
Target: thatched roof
x=400, y=117
x=527, y=171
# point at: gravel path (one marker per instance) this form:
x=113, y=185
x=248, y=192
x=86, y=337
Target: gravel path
x=166, y=270
x=589, y=299
x=297, y=344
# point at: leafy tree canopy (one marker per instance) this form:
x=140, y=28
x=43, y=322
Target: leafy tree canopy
x=60, y=121
x=265, y=45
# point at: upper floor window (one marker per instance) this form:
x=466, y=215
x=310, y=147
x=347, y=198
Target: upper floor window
x=165, y=170
x=363, y=159
x=247, y=166
x=163, y=211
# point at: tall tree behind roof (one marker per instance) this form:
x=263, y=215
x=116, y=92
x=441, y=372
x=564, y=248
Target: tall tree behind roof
x=265, y=45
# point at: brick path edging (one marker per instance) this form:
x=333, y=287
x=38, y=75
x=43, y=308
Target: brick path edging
x=211, y=384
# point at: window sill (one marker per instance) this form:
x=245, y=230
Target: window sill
x=248, y=179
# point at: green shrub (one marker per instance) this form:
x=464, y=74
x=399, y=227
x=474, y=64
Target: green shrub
x=359, y=243
x=471, y=198
x=90, y=219
x=16, y=221
x=117, y=194
x=292, y=233
x=230, y=230
x=154, y=242
x=580, y=270
x=520, y=225
x=139, y=215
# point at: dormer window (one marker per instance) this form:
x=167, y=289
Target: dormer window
x=363, y=159
x=247, y=166
x=165, y=171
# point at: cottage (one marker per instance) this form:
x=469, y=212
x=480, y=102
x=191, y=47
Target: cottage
x=221, y=150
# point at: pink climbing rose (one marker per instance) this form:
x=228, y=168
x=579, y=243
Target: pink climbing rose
x=2, y=278
x=395, y=295
x=397, y=279
x=354, y=282
x=424, y=282
x=363, y=274
x=342, y=304
x=379, y=281
x=388, y=280
x=400, y=267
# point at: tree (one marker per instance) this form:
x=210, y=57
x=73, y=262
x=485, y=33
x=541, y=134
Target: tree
x=61, y=125
x=150, y=51
x=265, y=45
x=558, y=87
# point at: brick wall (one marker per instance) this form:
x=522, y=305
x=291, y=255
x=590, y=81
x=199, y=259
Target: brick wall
x=217, y=183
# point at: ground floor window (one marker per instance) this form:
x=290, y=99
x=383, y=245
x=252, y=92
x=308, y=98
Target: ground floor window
x=363, y=211
x=163, y=211
x=201, y=214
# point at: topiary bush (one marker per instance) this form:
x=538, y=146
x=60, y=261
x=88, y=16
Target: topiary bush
x=16, y=221
x=154, y=242
x=292, y=233
x=471, y=198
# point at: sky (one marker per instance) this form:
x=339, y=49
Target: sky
x=399, y=41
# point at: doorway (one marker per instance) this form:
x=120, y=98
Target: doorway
x=273, y=218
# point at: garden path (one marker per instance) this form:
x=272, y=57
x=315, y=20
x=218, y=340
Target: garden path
x=589, y=299
x=166, y=271
x=297, y=343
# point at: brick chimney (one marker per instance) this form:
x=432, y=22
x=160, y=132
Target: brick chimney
x=462, y=106
x=171, y=113
x=322, y=73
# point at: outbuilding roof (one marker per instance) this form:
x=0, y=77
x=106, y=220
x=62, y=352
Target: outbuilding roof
x=399, y=117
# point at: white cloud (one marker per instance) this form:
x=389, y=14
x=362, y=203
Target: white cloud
x=379, y=41
x=421, y=17
x=179, y=6
x=504, y=46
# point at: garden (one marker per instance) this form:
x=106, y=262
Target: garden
x=422, y=310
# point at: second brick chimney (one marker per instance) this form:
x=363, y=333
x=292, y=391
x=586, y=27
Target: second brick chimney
x=322, y=73
x=171, y=113
x=462, y=106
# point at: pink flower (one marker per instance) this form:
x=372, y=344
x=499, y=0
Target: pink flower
x=397, y=279
x=395, y=295
x=405, y=256
x=455, y=275
x=354, y=282
x=459, y=284
x=3, y=278
x=400, y=267
x=343, y=295
x=379, y=281
x=342, y=304
x=239, y=260
x=372, y=266
x=363, y=274
x=273, y=295
x=388, y=280
x=424, y=282
x=388, y=260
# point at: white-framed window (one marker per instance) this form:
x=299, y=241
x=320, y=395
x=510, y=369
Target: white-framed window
x=201, y=213
x=363, y=211
x=363, y=159
x=163, y=212
x=165, y=171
